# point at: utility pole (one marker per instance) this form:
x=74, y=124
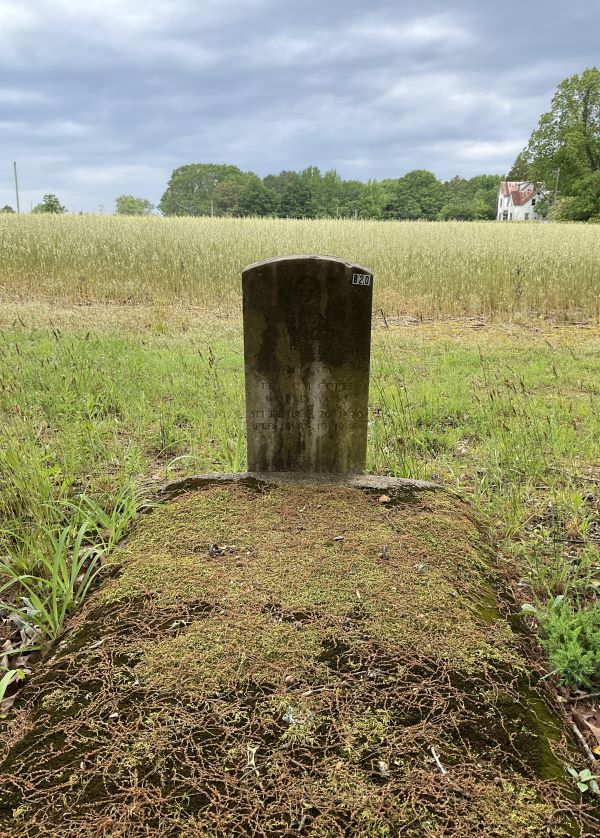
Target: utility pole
x=556, y=187
x=17, y=186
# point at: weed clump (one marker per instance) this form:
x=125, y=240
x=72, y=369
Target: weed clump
x=572, y=640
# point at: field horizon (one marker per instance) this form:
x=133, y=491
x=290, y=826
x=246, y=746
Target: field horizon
x=422, y=269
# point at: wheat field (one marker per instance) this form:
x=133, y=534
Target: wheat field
x=421, y=269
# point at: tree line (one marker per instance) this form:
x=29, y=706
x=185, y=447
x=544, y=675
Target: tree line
x=225, y=190
x=220, y=189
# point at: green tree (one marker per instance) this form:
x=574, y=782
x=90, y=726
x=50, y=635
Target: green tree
x=330, y=202
x=400, y=205
x=520, y=168
x=7, y=208
x=293, y=194
x=312, y=184
x=416, y=195
x=191, y=188
x=325, y=193
x=567, y=137
x=470, y=200
x=583, y=204
x=129, y=205
x=257, y=199
x=226, y=197
x=374, y=200
x=353, y=199
x=458, y=208
x=484, y=189
x=50, y=204
x=244, y=196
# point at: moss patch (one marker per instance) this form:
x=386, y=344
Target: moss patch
x=280, y=662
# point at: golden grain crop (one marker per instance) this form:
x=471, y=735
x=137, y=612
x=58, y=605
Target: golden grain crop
x=437, y=269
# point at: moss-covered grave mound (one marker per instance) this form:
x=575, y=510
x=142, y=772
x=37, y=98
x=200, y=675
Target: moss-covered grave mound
x=290, y=660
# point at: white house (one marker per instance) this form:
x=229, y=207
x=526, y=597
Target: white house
x=517, y=200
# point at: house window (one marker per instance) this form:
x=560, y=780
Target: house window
x=510, y=217
x=526, y=216
x=533, y=202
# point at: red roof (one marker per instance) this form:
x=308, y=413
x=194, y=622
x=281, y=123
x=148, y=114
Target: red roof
x=519, y=191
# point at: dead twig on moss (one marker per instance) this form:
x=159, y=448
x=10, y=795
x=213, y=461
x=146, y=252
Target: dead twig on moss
x=584, y=745
x=437, y=760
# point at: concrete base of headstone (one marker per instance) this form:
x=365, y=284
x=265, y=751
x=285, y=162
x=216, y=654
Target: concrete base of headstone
x=271, y=657
x=368, y=482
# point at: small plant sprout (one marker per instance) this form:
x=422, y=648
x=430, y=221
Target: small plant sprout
x=5, y=681
x=570, y=636
x=64, y=570
x=64, y=563
x=109, y=527
x=539, y=612
x=585, y=780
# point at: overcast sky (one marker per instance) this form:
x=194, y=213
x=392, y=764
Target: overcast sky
x=103, y=97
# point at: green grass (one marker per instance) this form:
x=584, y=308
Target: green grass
x=435, y=269
x=114, y=377
x=508, y=415
x=51, y=567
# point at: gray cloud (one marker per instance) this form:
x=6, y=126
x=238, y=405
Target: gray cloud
x=108, y=96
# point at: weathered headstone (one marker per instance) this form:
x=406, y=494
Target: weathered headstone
x=307, y=339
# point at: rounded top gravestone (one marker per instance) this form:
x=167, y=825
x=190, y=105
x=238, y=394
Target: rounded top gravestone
x=307, y=338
